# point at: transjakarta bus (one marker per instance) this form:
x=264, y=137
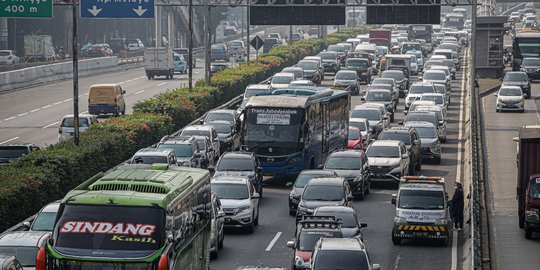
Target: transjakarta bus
x=525, y=44
x=420, y=31
x=455, y=20
x=137, y=217
x=294, y=130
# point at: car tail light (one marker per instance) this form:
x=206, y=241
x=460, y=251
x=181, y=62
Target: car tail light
x=41, y=259
x=163, y=263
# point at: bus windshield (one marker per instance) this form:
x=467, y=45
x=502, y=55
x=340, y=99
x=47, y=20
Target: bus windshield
x=273, y=127
x=121, y=231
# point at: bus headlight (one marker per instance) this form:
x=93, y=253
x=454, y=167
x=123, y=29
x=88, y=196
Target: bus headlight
x=441, y=221
x=295, y=160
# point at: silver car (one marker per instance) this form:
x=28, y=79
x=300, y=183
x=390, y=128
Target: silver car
x=24, y=245
x=387, y=157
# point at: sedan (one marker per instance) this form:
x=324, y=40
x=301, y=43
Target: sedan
x=298, y=186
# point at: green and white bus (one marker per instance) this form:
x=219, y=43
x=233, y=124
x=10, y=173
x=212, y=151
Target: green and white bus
x=137, y=217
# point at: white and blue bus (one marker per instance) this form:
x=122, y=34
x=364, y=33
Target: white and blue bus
x=292, y=130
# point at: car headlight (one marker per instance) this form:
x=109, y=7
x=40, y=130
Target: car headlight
x=304, y=209
x=435, y=148
x=299, y=260
x=400, y=221
x=293, y=196
x=295, y=160
x=499, y=100
x=441, y=221
x=244, y=208
x=531, y=216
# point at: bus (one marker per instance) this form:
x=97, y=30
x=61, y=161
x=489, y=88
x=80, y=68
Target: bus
x=293, y=130
x=136, y=217
x=455, y=20
x=420, y=31
x=525, y=44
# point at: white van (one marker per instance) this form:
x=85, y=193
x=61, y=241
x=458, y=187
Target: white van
x=66, y=129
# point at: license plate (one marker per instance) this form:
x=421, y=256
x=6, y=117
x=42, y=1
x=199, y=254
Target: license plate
x=420, y=234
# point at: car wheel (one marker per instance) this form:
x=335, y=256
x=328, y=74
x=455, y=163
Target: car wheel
x=124, y=111
x=497, y=110
x=362, y=194
x=528, y=233
x=149, y=77
x=368, y=187
x=220, y=243
x=256, y=220
x=117, y=112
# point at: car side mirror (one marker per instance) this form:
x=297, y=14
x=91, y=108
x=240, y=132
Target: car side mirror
x=123, y=91
x=394, y=198
x=320, y=166
x=420, y=78
x=255, y=196
x=211, y=169
x=289, y=184
x=376, y=266
x=363, y=225
x=291, y=244
x=27, y=225
x=201, y=122
x=363, y=99
x=221, y=214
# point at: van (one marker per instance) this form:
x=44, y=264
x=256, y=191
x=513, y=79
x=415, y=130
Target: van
x=106, y=98
x=67, y=130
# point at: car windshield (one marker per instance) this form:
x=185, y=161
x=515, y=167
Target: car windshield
x=343, y=259
x=440, y=88
x=421, y=199
x=354, y=134
x=336, y=48
x=149, y=159
x=213, y=116
x=419, y=117
x=4, y=53
x=217, y=47
x=346, y=76
x=531, y=62
x=195, y=132
x=25, y=255
x=327, y=56
x=434, y=76
x=347, y=218
x=230, y=191
x=13, y=151
x=515, y=77
x=282, y=79
x=303, y=178
x=307, y=239
x=397, y=75
x=180, y=150
x=222, y=128
x=235, y=164
x=342, y=163
x=506, y=92
x=235, y=44
x=438, y=99
x=357, y=63
x=308, y=65
x=323, y=193
x=398, y=136
x=44, y=222
x=421, y=89
x=378, y=96
x=426, y=132
x=383, y=151
x=534, y=188
x=384, y=81
x=68, y=122
x=372, y=115
x=359, y=125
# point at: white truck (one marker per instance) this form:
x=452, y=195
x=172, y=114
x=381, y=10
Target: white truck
x=158, y=62
x=38, y=48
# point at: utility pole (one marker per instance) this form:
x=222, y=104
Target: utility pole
x=247, y=31
x=190, y=45
x=75, y=55
x=207, y=42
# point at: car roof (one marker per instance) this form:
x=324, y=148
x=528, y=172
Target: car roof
x=198, y=127
x=153, y=151
x=285, y=74
x=510, y=87
x=238, y=155
x=230, y=180
x=433, y=94
x=258, y=86
x=24, y=238
x=326, y=181
x=346, y=153
x=413, y=124
x=386, y=143
x=341, y=244
x=51, y=207
x=358, y=119
x=293, y=68
x=318, y=172
x=222, y=111
x=434, y=71
x=346, y=71
x=336, y=208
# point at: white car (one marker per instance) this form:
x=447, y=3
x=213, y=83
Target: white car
x=510, y=98
x=436, y=76
x=67, y=130
x=281, y=80
x=415, y=92
x=8, y=57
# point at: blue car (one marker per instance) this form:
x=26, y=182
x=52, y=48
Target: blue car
x=180, y=65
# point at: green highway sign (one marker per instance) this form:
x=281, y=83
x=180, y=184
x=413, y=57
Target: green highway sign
x=26, y=8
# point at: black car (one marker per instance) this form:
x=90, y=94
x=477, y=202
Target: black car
x=298, y=186
x=12, y=152
x=362, y=68
x=350, y=225
x=531, y=65
x=242, y=164
x=410, y=138
x=330, y=61
x=353, y=166
x=400, y=79
x=229, y=138
x=186, y=150
x=324, y=191
x=311, y=70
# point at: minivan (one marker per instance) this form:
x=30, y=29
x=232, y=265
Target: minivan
x=67, y=130
x=105, y=99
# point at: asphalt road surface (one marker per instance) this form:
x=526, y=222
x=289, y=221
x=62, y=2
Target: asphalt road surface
x=267, y=246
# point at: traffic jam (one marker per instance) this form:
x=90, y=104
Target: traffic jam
x=364, y=117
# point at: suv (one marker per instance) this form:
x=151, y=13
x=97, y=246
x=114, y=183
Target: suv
x=361, y=67
x=416, y=91
x=387, y=157
x=344, y=253
x=377, y=118
x=230, y=116
x=312, y=70
x=67, y=130
x=309, y=230
x=431, y=117
x=217, y=234
x=154, y=155
x=241, y=164
x=186, y=150
x=421, y=210
x=353, y=166
x=323, y=191
x=299, y=184
x=518, y=78
x=12, y=152
x=229, y=138
x=429, y=141
x=410, y=138
x=330, y=61
x=207, y=131
x=239, y=200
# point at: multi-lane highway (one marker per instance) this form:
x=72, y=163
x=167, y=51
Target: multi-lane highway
x=267, y=246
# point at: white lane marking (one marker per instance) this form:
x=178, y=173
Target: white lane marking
x=22, y=114
x=269, y=247
x=7, y=119
x=45, y=107
x=35, y=110
x=131, y=80
x=84, y=112
x=56, y=103
x=6, y=141
x=138, y=92
x=67, y=99
x=50, y=125
x=160, y=84
x=396, y=265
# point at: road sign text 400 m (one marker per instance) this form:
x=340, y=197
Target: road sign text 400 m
x=19, y=9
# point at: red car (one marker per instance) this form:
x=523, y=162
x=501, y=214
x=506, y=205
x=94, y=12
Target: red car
x=356, y=140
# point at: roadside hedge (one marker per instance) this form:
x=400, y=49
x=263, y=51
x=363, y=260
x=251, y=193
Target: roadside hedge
x=47, y=175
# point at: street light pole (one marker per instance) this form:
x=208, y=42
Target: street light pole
x=207, y=42
x=190, y=46
x=75, y=56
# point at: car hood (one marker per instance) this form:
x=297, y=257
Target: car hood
x=309, y=71
x=347, y=82
x=228, y=203
x=328, y=61
x=383, y=161
x=373, y=123
x=510, y=98
x=315, y=204
x=248, y=174
x=349, y=232
x=347, y=173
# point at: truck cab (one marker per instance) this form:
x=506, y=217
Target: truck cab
x=421, y=210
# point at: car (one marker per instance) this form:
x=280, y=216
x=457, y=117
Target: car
x=241, y=164
x=341, y=253
x=319, y=61
x=219, y=52
x=390, y=81
x=134, y=44
x=324, y=191
x=257, y=90
x=217, y=226
x=301, y=83
x=66, y=129
x=10, y=262
x=383, y=97
x=350, y=225
x=180, y=64
x=340, y=50
x=230, y=116
x=449, y=54
x=312, y=70
x=44, y=220
x=299, y=184
x=387, y=157
x=184, y=52
x=356, y=140
x=269, y=43
x=347, y=79
x=435, y=62
x=330, y=61
x=428, y=116
x=450, y=65
x=510, y=98
x=445, y=69
x=229, y=138
x=207, y=131
x=399, y=78
x=297, y=71
x=308, y=231
x=438, y=98
x=154, y=155
x=99, y=50
x=386, y=86
x=518, y=78
x=11, y=152
x=186, y=149
x=276, y=36
x=436, y=76
x=415, y=92
x=531, y=65
x=281, y=80
x=410, y=138
x=430, y=144
x=419, y=59
x=414, y=65
x=353, y=166
x=362, y=124
x=417, y=103
x=229, y=30
x=8, y=57
x=361, y=67
x=440, y=113
x=441, y=89
x=215, y=67
x=378, y=120
x=25, y=246
x=239, y=200
x=237, y=47
x=106, y=98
